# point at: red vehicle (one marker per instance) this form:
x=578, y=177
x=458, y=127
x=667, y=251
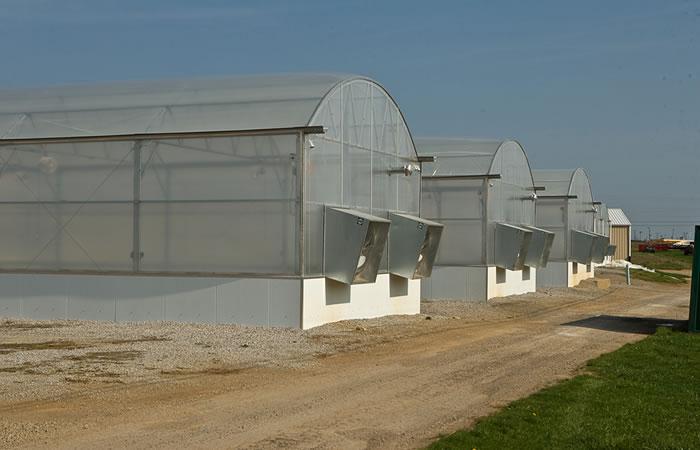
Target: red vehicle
x=652, y=247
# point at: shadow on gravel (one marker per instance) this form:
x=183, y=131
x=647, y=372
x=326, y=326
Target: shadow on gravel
x=622, y=324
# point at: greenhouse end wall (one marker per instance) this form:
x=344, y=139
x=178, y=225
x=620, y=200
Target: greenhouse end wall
x=565, y=205
x=471, y=187
x=357, y=163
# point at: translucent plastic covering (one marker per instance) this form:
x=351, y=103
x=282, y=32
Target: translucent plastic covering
x=175, y=106
x=460, y=205
x=551, y=216
x=358, y=162
x=566, y=204
x=201, y=205
x=602, y=220
x=471, y=186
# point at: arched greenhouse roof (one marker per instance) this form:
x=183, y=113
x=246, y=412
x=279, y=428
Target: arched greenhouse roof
x=565, y=182
x=245, y=103
x=465, y=157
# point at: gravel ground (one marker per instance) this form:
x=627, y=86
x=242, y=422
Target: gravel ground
x=391, y=382
x=48, y=359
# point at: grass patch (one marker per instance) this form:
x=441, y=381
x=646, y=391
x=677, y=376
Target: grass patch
x=659, y=276
x=664, y=260
x=642, y=396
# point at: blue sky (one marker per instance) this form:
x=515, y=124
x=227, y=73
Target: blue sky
x=611, y=86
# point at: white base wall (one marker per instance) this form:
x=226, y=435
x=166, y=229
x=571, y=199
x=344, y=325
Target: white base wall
x=327, y=301
x=245, y=301
x=583, y=272
x=564, y=274
x=477, y=283
x=516, y=282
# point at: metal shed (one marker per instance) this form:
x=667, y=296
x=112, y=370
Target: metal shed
x=210, y=200
x=565, y=206
x=482, y=190
x=620, y=233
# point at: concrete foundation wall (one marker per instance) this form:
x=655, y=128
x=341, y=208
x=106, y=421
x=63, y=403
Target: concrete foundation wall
x=563, y=274
x=476, y=283
x=250, y=301
x=510, y=282
x=455, y=283
x=327, y=301
x=245, y=301
x=583, y=272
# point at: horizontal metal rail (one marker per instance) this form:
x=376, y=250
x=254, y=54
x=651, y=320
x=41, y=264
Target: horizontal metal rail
x=160, y=136
x=463, y=177
x=128, y=202
x=146, y=273
x=558, y=196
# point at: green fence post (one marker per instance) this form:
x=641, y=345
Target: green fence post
x=694, y=319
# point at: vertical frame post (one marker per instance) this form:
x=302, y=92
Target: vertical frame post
x=136, y=232
x=694, y=316
x=301, y=200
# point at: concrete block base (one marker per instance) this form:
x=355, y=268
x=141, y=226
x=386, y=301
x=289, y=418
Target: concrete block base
x=477, y=283
x=327, y=301
x=250, y=301
x=246, y=301
x=564, y=274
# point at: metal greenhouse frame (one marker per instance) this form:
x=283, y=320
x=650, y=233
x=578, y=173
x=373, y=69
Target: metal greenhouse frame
x=483, y=191
x=206, y=200
x=566, y=207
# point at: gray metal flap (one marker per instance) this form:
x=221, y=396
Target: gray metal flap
x=415, y=219
x=353, y=245
x=512, y=243
x=600, y=248
x=413, y=245
x=611, y=250
x=540, y=245
x=582, y=246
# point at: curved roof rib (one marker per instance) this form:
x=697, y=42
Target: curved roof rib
x=559, y=183
x=244, y=103
x=462, y=156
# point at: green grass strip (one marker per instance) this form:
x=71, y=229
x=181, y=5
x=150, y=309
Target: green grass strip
x=643, y=396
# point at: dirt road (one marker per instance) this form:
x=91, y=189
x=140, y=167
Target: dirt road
x=401, y=391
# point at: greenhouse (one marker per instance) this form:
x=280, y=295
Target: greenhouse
x=602, y=227
x=565, y=206
x=483, y=192
x=269, y=200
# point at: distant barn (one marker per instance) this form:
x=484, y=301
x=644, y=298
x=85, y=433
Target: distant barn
x=620, y=233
